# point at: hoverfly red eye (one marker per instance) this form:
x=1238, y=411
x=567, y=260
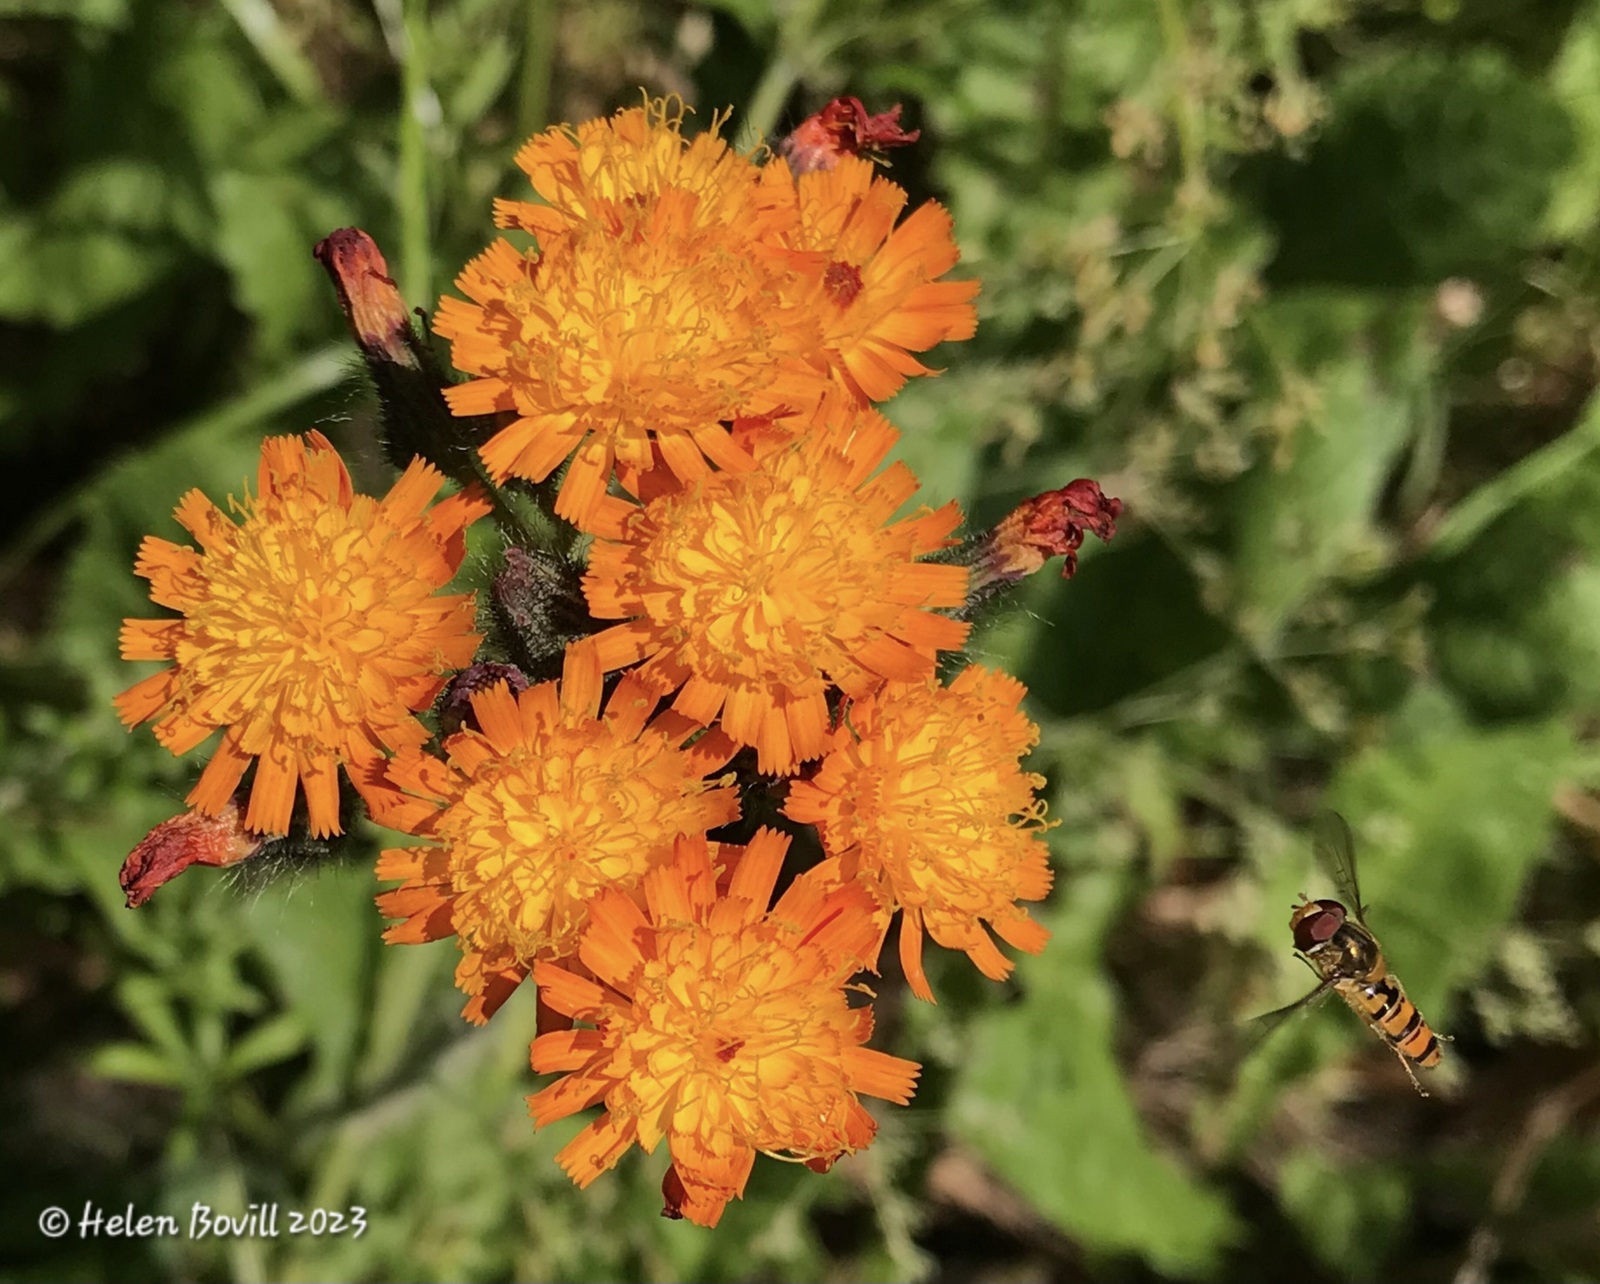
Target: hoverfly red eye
x=1323, y=926
x=1318, y=924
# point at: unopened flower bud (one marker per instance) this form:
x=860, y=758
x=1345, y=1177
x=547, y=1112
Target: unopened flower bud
x=410, y=386
x=190, y=839
x=1048, y=525
x=538, y=601
x=843, y=128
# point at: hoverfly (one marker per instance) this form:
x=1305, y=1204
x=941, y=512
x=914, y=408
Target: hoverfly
x=1334, y=940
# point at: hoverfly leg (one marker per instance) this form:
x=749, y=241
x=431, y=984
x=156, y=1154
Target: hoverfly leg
x=1411, y=1074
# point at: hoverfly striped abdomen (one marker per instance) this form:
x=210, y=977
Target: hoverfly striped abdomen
x=1384, y=1003
x=1333, y=937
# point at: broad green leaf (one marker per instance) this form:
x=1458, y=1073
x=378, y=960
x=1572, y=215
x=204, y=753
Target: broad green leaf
x=319, y=933
x=1301, y=525
x=1449, y=821
x=1039, y=1095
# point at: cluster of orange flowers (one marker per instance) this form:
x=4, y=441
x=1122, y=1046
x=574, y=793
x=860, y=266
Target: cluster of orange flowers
x=698, y=339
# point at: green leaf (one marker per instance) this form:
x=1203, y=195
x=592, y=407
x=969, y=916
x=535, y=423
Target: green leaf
x=150, y=1005
x=1039, y=1094
x=758, y=17
x=1449, y=821
x=1575, y=77
x=1434, y=163
x=1351, y=1214
x=273, y=1040
x=135, y=1063
x=1302, y=524
x=65, y=276
x=319, y=935
x=266, y=225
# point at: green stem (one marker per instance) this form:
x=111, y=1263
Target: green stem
x=1191, y=142
x=538, y=60
x=1474, y=514
x=265, y=31
x=418, y=108
x=784, y=69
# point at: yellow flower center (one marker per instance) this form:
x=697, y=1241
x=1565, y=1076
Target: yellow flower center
x=303, y=626
x=762, y=578
x=537, y=833
x=741, y=1032
x=630, y=330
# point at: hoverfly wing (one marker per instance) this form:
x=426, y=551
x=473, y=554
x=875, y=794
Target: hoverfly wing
x=1259, y=1029
x=1336, y=851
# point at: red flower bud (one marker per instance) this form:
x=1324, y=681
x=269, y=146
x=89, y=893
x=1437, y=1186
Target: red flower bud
x=190, y=839
x=843, y=128
x=1046, y=526
x=368, y=295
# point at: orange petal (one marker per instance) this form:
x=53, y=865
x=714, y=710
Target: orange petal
x=498, y=717
x=610, y=947
x=320, y=777
x=986, y=955
x=595, y=1149
x=757, y=871
x=911, y=955
x=580, y=679
x=877, y=1074
x=151, y=639
x=1022, y=932
x=272, y=796
x=214, y=790
x=567, y=993
x=146, y=698
x=563, y=1050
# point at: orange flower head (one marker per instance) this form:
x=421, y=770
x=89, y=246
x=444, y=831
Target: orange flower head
x=876, y=285
x=717, y=1026
x=750, y=593
x=311, y=630
x=537, y=812
x=652, y=311
x=922, y=797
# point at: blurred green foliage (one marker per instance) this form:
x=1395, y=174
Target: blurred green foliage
x=1313, y=285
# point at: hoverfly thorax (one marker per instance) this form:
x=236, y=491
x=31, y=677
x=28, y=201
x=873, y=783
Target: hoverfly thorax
x=1337, y=946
